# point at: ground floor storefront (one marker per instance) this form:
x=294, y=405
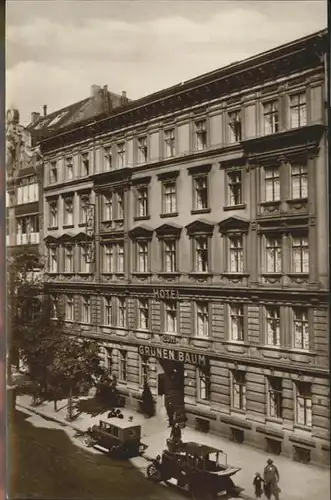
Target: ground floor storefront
x=280, y=411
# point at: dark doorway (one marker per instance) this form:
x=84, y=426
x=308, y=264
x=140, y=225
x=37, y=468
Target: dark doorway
x=160, y=384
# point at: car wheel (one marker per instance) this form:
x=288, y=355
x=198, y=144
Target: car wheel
x=153, y=473
x=88, y=441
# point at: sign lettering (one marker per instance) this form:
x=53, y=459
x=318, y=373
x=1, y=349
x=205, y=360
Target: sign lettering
x=169, y=339
x=173, y=354
x=165, y=293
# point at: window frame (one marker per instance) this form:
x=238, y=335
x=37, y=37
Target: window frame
x=108, y=320
x=66, y=248
x=142, y=149
x=163, y=242
x=67, y=220
x=302, y=175
x=274, y=123
x=203, y=375
x=236, y=375
x=69, y=168
x=86, y=316
x=241, y=332
x=304, y=254
x=306, y=395
x=274, y=180
x=121, y=305
x=275, y=396
x=169, y=137
x=277, y=267
x=137, y=245
x=143, y=305
x=69, y=299
x=206, y=316
x=230, y=198
x=120, y=154
x=200, y=134
x=172, y=196
x=122, y=365
x=142, y=199
x=298, y=106
x=234, y=136
x=305, y=343
x=195, y=179
x=164, y=304
x=53, y=214
x=271, y=321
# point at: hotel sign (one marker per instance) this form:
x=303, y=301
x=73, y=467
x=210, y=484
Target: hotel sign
x=173, y=355
x=165, y=293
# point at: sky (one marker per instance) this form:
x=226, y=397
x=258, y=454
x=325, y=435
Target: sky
x=57, y=49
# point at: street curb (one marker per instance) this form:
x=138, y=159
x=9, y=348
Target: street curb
x=64, y=423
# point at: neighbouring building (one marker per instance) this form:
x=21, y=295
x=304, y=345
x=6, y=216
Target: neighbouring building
x=188, y=233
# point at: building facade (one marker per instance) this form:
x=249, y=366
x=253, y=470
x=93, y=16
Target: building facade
x=188, y=233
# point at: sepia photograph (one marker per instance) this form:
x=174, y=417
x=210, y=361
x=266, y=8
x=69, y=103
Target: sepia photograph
x=167, y=250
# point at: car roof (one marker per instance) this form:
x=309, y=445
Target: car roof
x=121, y=423
x=198, y=449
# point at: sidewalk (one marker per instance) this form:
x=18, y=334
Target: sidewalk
x=297, y=481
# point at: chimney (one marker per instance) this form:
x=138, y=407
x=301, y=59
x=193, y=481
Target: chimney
x=34, y=116
x=95, y=89
x=45, y=109
x=124, y=99
x=105, y=88
x=124, y=94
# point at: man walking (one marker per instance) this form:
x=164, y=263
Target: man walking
x=271, y=479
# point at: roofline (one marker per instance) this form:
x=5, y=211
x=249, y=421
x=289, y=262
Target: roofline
x=219, y=73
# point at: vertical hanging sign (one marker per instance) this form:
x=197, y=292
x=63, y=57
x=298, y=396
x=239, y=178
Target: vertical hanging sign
x=90, y=228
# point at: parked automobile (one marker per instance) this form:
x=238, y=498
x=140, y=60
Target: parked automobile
x=200, y=469
x=120, y=437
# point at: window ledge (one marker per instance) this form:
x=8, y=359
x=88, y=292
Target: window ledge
x=271, y=275
x=170, y=214
x=241, y=343
x=163, y=274
x=144, y=273
x=201, y=211
x=52, y=228
x=84, y=273
x=202, y=274
x=206, y=338
x=81, y=224
x=270, y=203
x=230, y=274
x=274, y=420
x=271, y=347
x=293, y=201
x=298, y=275
x=173, y=334
x=68, y=273
x=141, y=217
x=241, y=206
x=301, y=427
x=297, y=350
x=67, y=226
x=119, y=220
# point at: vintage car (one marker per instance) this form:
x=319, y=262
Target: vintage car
x=200, y=469
x=120, y=437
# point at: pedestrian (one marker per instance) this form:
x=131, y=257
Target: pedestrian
x=271, y=479
x=258, y=483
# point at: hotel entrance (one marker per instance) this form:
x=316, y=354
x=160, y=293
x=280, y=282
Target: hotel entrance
x=170, y=386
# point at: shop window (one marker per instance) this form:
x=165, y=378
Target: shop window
x=273, y=446
x=301, y=454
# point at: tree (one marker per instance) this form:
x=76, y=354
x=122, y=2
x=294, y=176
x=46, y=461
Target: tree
x=75, y=362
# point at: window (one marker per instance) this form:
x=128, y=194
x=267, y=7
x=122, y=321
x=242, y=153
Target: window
x=142, y=150
x=143, y=314
x=275, y=397
x=27, y=190
x=239, y=390
x=144, y=371
x=53, y=307
x=271, y=184
x=122, y=365
x=68, y=259
x=169, y=247
x=53, y=173
x=53, y=214
x=69, y=308
x=273, y=326
x=201, y=257
x=300, y=254
x=169, y=141
x=52, y=259
x=108, y=320
x=203, y=384
x=120, y=205
x=121, y=312
x=170, y=317
x=68, y=211
x=85, y=165
x=234, y=126
x=142, y=256
x=142, y=201
x=300, y=328
x=121, y=155
x=84, y=201
x=200, y=192
x=169, y=197
x=236, y=322
x=106, y=359
x=107, y=213
x=270, y=114
x=303, y=404
x=108, y=157
x=69, y=168
x=299, y=177
x=113, y=258
x=84, y=265
x=201, y=134
x=273, y=249
x=236, y=254
x=202, y=320
x=86, y=316
x=234, y=188
x=27, y=231
x=298, y=110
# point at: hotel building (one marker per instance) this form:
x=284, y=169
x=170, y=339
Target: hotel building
x=188, y=233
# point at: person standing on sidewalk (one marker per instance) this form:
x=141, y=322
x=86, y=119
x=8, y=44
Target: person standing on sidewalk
x=258, y=483
x=271, y=479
